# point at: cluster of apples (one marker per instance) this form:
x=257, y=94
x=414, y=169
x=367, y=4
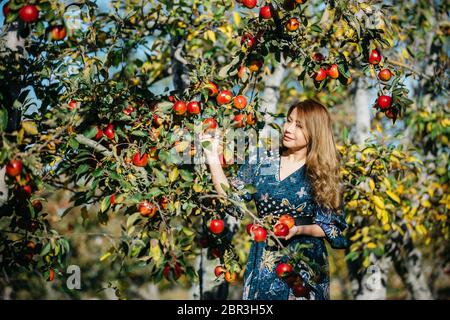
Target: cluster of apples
x=229, y=276
x=223, y=98
x=285, y=271
x=29, y=13
x=384, y=102
x=149, y=208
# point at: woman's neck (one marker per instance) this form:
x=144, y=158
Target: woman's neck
x=298, y=155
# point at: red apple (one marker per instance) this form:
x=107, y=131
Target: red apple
x=385, y=75
x=140, y=161
x=292, y=24
x=211, y=122
x=99, y=133
x=6, y=9
x=375, y=57
x=58, y=33
x=28, y=13
x=248, y=40
x=265, y=12
x=243, y=70
x=391, y=113
x=193, y=107
x=320, y=75
x=240, y=102
x=179, y=108
x=384, y=102
x=283, y=269
x=281, y=230
x=175, y=271
x=249, y=3
x=259, y=233
x=72, y=104
x=219, y=270
x=333, y=71
x=255, y=65
x=299, y=290
x=216, y=226
x=213, y=89
x=250, y=120
x=287, y=220
x=230, y=277
x=318, y=57
x=249, y=228
x=128, y=110
x=224, y=97
x=239, y=120
x=14, y=167
x=109, y=131
x=147, y=209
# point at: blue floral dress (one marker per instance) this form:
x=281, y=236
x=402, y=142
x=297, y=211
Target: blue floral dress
x=292, y=195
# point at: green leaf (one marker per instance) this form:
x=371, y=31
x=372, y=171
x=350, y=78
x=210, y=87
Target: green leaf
x=105, y=204
x=45, y=249
x=73, y=143
x=186, y=175
x=139, y=133
x=3, y=119
x=82, y=169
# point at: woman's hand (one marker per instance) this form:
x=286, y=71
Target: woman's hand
x=212, y=150
x=294, y=231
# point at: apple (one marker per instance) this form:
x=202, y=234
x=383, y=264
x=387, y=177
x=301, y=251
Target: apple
x=259, y=233
x=230, y=277
x=179, y=108
x=14, y=167
x=385, y=75
x=281, y=230
x=211, y=122
x=333, y=71
x=265, y=12
x=99, y=133
x=157, y=120
x=287, y=220
x=292, y=24
x=289, y=5
x=243, y=70
x=112, y=199
x=250, y=120
x=147, y=209
x=31, y=245
x=240, y=102
x=140, y=161
x=249, y=228
x=216, y=226
x=213, y=89
x=58, y=33
x=248, y=40
x=300, y=1
x=239, y=120
x=164, y=202
x=391, y=113
x=320, y=75
x=128, y=110
x=203, y=242
x=72, y=104
x=6, y=9
x=153, y=154
x=249, y=3
x=109, y=131
x=215, y=252
x=375, y=57
x=51, y=275
x=175, y=271
x=318, y=57
x=27, y=190
x=224, y=97
x=28, y=13
x=349, y=80
x=219, y=270
x=299, y=290
x=384, y=102
x=255, y=65
x=193, y=107
x=37, y=205
x=283, y=269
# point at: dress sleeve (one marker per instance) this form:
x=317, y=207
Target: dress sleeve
x=333, y=225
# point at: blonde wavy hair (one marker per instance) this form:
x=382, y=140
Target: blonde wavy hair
x=322, y=160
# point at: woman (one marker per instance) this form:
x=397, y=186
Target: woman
x=301, y=180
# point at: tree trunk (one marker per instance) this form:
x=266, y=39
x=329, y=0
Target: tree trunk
x=362, y=113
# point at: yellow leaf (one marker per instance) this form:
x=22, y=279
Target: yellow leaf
x=173, y=175
x=237, y=18
x=211, y=35
x=105, y=256
x=405, y=53
x=30, y=127
x=393, y=196
x=197, y=187
x=378, y=202
x=371, y=245
x=371, y=184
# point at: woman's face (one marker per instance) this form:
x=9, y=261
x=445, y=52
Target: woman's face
x=294, y=132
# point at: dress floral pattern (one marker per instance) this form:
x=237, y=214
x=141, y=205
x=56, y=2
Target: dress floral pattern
x=293, y=196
